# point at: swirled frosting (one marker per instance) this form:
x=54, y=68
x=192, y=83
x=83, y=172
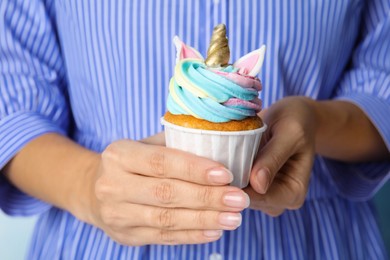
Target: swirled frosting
x=214, y=94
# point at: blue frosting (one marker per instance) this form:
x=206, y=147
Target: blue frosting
x=215, y=90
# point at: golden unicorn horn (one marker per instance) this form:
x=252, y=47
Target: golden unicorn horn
x=218, y=53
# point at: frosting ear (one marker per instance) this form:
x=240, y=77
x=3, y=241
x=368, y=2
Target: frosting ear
x=183, y=51
x=251, y=63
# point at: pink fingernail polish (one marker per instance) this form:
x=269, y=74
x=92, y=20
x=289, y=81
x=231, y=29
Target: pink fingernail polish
x=220, y=176
x=212, y=233
x=230, y=220
x=236, y=199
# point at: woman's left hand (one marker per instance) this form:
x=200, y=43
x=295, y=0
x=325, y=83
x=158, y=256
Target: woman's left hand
x=281, y=172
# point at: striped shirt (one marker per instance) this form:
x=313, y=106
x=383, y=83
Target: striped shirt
x=98, y=71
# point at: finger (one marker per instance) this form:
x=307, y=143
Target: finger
x=170, y=193
x=169, y=218
x=272, y=211
x=184, y=219
x=146, y=236
x=162, y=162
x=269, y=161
x=288, y=190
x=157, y=139
x=262, y=202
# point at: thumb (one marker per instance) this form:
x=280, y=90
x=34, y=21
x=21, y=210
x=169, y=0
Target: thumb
x=269, y=160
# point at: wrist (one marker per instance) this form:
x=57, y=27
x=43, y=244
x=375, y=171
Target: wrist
x=327, y=120
x=319, y=119
x=343, y=132
x=82, y=198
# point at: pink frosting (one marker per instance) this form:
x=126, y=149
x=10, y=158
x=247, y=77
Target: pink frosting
x=244, y=81
x=254, y=104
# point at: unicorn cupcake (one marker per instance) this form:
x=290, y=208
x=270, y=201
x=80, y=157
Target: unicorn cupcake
x=212, y=106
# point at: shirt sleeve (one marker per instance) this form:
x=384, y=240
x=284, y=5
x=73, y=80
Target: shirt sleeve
x=33, y=99
x=367, y=85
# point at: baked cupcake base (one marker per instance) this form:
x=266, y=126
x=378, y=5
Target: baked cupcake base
x=188, y=121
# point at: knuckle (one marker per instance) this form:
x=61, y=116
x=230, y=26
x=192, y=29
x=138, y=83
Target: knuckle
x=104, y=187
x=133, y=241
x=276, y=160
x=126, y=240
x=298, y=190
x=195, y=236
x=298, y=132
x=274, y=212
x=190, y=170
x=157, y=164
x=164, y=192
x=117, y=237
x=205, y=195
x=166, y=237
x=200, y=219
x=111, y=153
x=109, y=216
x=295, y=126
x=165, y=218
x=297, y=202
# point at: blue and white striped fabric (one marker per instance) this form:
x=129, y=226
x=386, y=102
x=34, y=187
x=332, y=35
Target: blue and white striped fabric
x=98, y=71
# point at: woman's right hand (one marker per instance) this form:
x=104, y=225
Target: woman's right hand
x=150, y=194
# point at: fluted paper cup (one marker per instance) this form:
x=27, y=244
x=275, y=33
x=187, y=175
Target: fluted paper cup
x=235, y=150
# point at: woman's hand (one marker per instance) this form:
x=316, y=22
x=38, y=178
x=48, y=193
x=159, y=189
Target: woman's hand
x=150, y=194
x=299, y=127
x=281, y=172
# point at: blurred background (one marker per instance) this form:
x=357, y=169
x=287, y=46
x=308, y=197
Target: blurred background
x=15, y=232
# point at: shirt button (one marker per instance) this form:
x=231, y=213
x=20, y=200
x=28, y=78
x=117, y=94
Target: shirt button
x=215, y=256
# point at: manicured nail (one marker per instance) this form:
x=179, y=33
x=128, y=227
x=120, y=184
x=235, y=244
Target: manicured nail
x=212, y=233
x=263, y=177
x=236, y=199
x=231, y=220
x=220, y=176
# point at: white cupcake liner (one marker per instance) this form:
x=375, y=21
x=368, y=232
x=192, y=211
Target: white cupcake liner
x=235, y=150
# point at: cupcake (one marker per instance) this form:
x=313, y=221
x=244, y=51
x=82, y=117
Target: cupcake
x=212, y=105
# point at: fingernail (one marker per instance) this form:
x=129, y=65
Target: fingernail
x=232, y=220
x=212, y=233
x=263, y=177
x=220, y=176
x=236, y=199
